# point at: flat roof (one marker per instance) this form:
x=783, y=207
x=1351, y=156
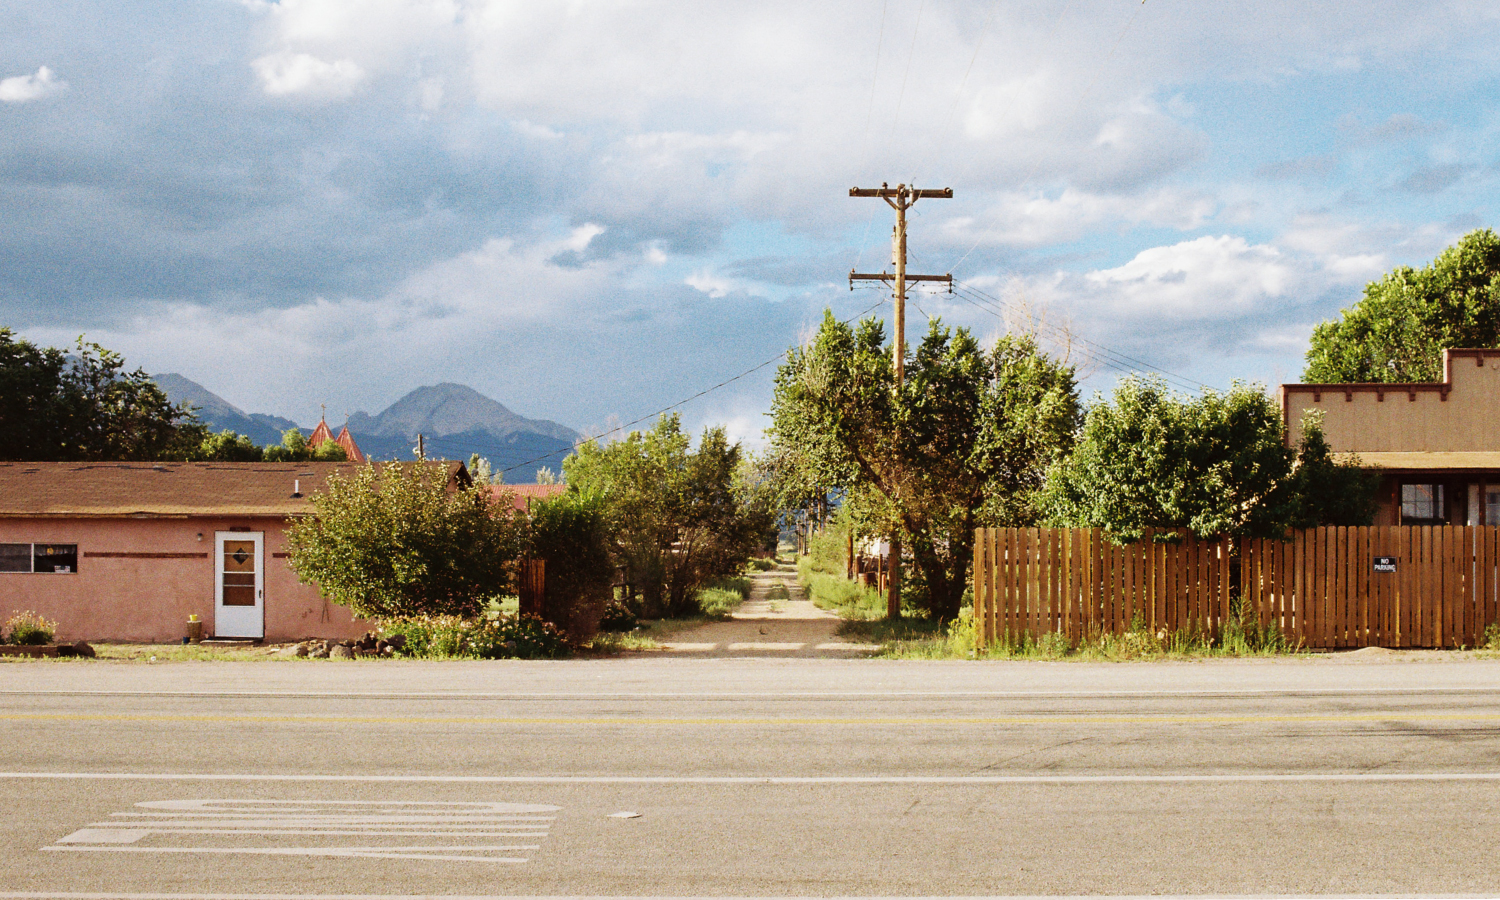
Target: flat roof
x=1434, y=460
x=167, y=489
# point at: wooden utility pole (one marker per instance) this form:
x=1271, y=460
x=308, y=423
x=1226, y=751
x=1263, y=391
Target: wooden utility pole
x=901, y=198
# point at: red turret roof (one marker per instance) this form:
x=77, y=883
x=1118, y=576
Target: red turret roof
x=351, y=449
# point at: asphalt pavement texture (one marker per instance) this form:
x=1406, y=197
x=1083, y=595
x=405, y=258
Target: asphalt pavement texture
x=642, y=776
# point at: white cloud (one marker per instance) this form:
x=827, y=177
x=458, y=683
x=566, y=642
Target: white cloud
x=1029, y=220
x=1203, y=278
x=286, y=73
x=23, y=88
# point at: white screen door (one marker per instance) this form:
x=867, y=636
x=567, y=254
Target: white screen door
x=239, y=595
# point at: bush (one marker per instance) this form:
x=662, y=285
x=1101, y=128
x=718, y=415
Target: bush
x=761, y=564
x=396, y=542
x=572, y=535
x=720, y=598
x=29, y=628
x=503, y=637
x=617, y=617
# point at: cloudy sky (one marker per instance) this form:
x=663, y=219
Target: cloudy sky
x=591, y=209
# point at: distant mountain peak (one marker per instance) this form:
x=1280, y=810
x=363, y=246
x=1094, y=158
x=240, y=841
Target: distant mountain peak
x=449, y=408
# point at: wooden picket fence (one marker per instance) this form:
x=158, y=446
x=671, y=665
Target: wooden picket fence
x=1322, y=590
x=1075, y=580
x=1320, y=587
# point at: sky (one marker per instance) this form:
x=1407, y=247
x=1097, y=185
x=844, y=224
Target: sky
x=591, y=210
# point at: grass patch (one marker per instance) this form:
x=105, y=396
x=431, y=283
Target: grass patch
x=919, y=638
x=838, y=594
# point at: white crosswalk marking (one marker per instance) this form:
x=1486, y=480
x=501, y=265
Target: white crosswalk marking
x=481, y=831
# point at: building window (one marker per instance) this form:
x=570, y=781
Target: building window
x=1422, y=503
x=52, y=558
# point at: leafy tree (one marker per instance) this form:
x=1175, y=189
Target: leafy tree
x=227, y=446
x=966, y=441
x=398, y=541
x=1216, y=464
x=1398, y=331
x=674, y=511
x=294, y=448
x=83, y=406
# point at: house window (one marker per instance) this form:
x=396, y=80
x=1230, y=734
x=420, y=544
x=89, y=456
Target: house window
x=1422, y=503
x=59, y=558
x=15, y=557
x=1491, y=505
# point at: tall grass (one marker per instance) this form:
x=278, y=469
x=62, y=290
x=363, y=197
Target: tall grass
x=719, y=599
x=917, y=639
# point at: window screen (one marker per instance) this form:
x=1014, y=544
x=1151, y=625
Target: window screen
x=15, y=557
x=55, y=557
x=1422, y=501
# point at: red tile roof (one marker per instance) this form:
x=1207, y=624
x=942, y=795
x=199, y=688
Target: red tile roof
x=144, y=489
x=522, y=494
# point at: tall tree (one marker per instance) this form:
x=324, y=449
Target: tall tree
x=1398, y=330
x=84, y=406
x=966, y=441
x=675, y=511
x=1217, y=464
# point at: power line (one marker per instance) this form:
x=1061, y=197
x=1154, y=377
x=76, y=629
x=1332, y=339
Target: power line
x=1091, y=350
x=1098, y=73
x=910, y=58
x=666, y=409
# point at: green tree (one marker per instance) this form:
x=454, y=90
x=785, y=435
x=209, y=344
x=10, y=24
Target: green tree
x=399, y=541
x=674, y=511
x=294, y=448
x=966, y=441
x=1398, y=330
x=84, y=406
x=227, y=446
x=1217, y=464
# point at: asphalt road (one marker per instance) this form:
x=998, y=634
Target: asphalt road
x=750, y=777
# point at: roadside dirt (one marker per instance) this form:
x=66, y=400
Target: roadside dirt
x=766, y=626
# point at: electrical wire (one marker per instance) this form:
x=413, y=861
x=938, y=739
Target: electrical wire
x=666, y=409
x=1037, y=164
x=1092, y=350
x=910, y=58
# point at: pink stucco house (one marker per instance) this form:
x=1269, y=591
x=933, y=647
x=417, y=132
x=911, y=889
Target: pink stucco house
x=127, y=551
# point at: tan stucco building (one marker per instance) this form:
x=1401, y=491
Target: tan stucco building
x=127, y=551
x=1437, y=444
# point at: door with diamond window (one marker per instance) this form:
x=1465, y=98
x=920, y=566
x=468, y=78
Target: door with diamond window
x=239, y=593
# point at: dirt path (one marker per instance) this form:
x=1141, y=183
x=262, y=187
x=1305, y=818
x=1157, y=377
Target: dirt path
x=765, y=626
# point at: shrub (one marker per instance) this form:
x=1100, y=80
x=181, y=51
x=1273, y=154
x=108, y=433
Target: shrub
x=718, y=599
x=503, y=637
x=572, y=534
x=617, y=617
x=761, y=564
x=29, y=628
x=396, y=542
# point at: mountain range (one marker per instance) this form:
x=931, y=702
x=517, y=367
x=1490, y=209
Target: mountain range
x=454, y=420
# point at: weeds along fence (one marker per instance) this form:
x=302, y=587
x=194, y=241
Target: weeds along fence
x=1323, y=588
x=1032, y=581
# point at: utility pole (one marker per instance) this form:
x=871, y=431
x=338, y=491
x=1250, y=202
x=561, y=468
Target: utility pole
x=901, y=198
x=421, y=449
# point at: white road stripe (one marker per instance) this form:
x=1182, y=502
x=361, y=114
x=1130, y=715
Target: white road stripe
x=764, y=695
x=768, y=780
x=341, y=852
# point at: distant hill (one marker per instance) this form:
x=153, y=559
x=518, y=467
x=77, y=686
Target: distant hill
x=220, y=413
x=455, y=420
